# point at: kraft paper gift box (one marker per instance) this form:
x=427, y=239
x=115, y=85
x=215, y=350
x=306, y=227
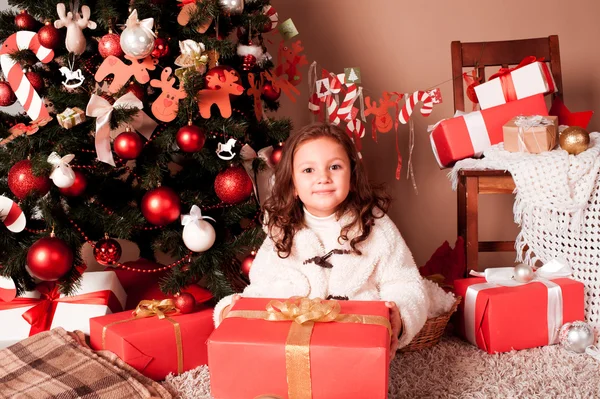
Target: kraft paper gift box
x=335, y=359
x=100, y=293
x=498, y=318
x=70, y=117
x=514, y=84
x=469, y=135
x=152, y=345
x=532, y=134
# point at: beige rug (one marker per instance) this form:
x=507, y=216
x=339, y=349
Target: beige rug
x=455, y=369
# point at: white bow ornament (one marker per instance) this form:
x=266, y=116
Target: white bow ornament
x=198, y=235
x=62, y=175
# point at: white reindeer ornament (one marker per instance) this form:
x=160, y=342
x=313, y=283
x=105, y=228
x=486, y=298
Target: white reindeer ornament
x=75, y=23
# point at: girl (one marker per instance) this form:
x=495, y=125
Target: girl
x=328, y=235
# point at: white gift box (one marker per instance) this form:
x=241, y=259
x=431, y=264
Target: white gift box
x=70, y=316
x=531, y=79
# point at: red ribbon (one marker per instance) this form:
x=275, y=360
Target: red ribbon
x=40, y=316
x=508, y=86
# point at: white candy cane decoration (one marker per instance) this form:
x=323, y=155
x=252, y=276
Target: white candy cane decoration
x=26, y=94
x=11, y=215
x=411, y=101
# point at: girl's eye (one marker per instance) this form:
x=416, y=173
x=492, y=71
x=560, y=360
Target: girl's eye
x=307, y=170
x=336, y=167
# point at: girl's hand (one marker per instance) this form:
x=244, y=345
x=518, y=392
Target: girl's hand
x=227, y=308
x=396, y=322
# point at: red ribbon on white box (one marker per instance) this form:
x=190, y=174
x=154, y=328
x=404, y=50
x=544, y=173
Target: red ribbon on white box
x=503, y=276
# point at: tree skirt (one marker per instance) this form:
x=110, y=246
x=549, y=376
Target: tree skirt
x=454, y=368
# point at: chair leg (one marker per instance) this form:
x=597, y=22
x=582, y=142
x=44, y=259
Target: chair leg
x=467, y=202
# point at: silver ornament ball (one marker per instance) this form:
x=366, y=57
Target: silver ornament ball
x=576, y=336
x=233, y=6
x=523, y=273
x=137, y=41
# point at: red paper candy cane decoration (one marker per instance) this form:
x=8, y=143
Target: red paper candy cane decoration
x=411, y=101
x=26, y=94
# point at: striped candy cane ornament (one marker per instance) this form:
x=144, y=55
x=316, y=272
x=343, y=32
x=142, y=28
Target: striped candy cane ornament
x=26, y=94
x=411, y=101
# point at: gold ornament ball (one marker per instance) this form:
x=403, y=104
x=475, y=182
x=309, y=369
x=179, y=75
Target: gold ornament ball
x=574, y=140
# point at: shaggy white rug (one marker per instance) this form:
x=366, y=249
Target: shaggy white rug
x=455, y=369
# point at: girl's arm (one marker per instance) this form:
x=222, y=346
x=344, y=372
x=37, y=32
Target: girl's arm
x=269, y=278
x=399, y=281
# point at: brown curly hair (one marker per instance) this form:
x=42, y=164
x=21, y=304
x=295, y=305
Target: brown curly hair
x=285, y=214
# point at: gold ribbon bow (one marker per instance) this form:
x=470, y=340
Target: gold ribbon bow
x=160, y=309
x=304, y=313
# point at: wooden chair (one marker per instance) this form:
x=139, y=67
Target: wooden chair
x=474, y=182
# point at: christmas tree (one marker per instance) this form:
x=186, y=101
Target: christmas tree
x=126, y=107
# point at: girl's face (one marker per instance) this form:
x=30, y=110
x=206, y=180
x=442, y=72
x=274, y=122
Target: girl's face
x=321, y=174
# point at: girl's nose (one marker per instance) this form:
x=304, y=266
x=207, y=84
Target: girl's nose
x=324, y=177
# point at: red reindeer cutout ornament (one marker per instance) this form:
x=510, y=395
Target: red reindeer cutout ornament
x=166, y=106
x=383, y=122
x=218, y=92
x=123, y=72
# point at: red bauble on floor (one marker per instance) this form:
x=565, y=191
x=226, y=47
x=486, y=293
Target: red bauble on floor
x=7, y=95
x=190, y=138
x=22, y=181
x=185, y=302
x=49, y=36
x=110, y=44
x=233, y=185
x=128, y=145
x=78, y=186
x=161, y=206
x=49, y=258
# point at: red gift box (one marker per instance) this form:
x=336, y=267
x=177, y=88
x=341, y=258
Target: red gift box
x=470, y=134
x=152, y=345
x=345, y=360
x=499, y=319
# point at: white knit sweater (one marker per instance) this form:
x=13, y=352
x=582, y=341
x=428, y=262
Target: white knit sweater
x=385, y=271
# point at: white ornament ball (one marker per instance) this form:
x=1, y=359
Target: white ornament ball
x=576, y=336
x=62, y=180
x=233, y=6
x=523, y=273
x=199, y=237
x=137, y=41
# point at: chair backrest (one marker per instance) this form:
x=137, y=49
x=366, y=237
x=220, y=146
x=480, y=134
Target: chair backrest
x=502, y=53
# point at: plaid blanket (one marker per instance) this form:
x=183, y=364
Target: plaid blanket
x=57, y=364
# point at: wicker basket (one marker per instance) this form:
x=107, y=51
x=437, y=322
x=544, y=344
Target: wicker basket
x=432, y=331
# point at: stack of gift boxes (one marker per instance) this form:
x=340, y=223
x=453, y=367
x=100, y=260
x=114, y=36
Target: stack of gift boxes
x=513, y=111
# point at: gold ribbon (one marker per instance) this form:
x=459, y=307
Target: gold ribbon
x=160, y=309
x=304, y=313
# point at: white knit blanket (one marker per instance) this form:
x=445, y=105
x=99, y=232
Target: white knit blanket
x=557, y=206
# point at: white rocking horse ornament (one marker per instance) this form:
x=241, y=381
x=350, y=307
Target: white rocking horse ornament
x=226, y=147
x=72, y=76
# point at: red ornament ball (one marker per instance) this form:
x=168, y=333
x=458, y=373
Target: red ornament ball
x=161, y=48
x=185, y=302
x=36, y=81
x=269, y=92
x=49, y=36
x=107, y=251
x=78, y=186
x=233, y=185
x=128, y=145
x=217, y=74
x=275, y=156
x=49, y=259
x=23, y=182
x=247, y=264
x=24, y=21
x=190, y=138
x=136, y=89
x=7, y=95
x=161, y=206
x=110, y=44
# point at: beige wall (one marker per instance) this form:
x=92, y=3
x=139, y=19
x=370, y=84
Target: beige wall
x=404, y=46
